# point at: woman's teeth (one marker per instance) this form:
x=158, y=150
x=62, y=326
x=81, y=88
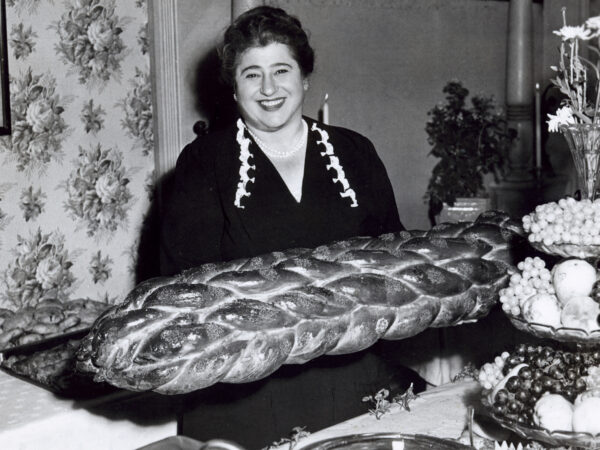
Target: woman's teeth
x=272, y=103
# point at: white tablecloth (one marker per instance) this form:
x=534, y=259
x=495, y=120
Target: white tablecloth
x=34, y=418
x=441, y=412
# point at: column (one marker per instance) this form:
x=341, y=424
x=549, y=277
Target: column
x=519, y=89
x=240, y=6
x=517, y=194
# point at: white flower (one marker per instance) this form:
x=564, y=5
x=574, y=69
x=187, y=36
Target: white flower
x=107, y=187
x=48, y=273
x=593, y=23
x=100, y=34
x=563, y=116
x=569, y=32
x=39, y=115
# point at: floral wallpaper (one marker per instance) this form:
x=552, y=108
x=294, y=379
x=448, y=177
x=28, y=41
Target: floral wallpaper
x=76, y=174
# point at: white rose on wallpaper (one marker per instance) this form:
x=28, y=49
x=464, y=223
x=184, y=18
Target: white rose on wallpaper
x=98, y=194
x=42, y=267
x=100, y=34
x=107, y=187
x=48, y=272
x=38, y=128
x=39, y=115
x=89, y=39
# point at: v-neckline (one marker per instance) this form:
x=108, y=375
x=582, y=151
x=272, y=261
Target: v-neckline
x=281, y=181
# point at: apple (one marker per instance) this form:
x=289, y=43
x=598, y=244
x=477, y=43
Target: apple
x=573, y=277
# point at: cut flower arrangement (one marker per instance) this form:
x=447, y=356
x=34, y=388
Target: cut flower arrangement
x=570, y=227
x=578, y=79
x=576, y=76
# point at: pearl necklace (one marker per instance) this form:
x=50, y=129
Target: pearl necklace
x=272, y=153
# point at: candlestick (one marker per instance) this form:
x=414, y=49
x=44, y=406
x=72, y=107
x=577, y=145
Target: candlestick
x=324, y=112
x=538, y=129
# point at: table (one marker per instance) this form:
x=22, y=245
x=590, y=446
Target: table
x=34, y=418
x=441, y=412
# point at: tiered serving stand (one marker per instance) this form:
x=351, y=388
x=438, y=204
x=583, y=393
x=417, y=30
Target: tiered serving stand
x=579, y=338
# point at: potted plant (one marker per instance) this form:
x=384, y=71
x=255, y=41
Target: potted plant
x=470, y=141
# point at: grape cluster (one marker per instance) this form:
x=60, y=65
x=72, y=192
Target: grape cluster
x=547, y=370
x=534, y=278
x=490, y=374
x=567, y=221
x=593, y=378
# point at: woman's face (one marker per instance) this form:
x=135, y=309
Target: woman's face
x=269, y=87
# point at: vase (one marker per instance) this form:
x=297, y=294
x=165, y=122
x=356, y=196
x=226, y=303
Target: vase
x=584, y=144
x=464, y=209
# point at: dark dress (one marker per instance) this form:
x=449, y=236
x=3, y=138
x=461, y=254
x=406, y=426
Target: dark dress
x=202, y=223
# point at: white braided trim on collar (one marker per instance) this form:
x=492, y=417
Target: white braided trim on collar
x=245, y=155
x=334, y=163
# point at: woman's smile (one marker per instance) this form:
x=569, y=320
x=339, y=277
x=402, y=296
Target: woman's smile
x=272, y=105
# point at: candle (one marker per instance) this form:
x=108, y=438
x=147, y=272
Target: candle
x=538, y=129
x=324, y=113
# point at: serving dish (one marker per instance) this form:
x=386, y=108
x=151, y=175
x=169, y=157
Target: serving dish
x=552, y=438
x=568, y=250
x=385, y=441
x=562, y=334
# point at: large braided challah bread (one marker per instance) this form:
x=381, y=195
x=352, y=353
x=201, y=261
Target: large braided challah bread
x=239, y=321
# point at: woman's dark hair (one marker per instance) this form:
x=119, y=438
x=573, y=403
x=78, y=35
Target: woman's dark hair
x=259, y=27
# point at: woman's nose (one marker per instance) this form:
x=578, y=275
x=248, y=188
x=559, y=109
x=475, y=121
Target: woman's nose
x=268, y=86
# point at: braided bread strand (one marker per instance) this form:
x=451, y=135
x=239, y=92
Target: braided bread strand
x=241, y=320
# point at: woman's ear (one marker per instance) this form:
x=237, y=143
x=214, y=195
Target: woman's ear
x=305, y=84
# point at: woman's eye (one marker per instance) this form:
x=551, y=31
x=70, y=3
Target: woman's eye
x=251, y=75
x=281, y=71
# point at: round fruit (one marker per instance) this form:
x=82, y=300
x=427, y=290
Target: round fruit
x=573, y=277
x=585, y=416
x=543, y=309
x=580, y=312
x=513, y=384
x=501, y=397
x=553, y=412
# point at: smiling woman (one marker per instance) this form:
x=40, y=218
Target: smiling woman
x=274, y=180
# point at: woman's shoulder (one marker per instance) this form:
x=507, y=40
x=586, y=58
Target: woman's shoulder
x=212, y=140
x=208, y=146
